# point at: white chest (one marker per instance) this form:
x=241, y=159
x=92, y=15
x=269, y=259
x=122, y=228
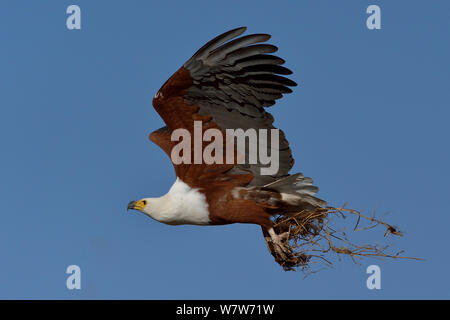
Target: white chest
x=181, y=205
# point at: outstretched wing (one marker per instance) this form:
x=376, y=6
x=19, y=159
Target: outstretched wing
x=227, y=84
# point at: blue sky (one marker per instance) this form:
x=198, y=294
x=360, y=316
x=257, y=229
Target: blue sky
x=368, y=121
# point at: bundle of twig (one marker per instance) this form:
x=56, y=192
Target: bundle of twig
x=309, y=238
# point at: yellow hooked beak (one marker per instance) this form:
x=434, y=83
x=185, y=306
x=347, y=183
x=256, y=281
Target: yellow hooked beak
x=137, y=205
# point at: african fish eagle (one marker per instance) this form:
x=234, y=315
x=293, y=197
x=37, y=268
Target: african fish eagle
x=227, y=84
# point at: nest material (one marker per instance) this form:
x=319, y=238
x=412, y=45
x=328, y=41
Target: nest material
x=309, y=239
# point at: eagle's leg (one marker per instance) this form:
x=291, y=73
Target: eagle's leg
x=277, y=240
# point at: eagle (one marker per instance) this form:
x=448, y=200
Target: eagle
x=228, y=84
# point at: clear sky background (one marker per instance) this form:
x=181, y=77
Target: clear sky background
x=369, y=122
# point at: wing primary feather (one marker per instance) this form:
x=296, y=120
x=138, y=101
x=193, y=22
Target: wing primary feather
x=265, y=68
x=217, y=41
x=250, y=51
x=220, y=52
x=260, y=59
x=272, y=88
x=272, y=79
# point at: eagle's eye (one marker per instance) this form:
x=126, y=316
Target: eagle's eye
x=144, y=202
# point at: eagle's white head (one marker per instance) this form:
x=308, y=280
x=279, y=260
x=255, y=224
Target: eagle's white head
x=181, y=205
x=152, y=207
x=146, y=206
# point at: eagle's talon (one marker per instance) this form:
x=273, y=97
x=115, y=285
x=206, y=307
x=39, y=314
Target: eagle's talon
x=281, y=249
x=284, y=235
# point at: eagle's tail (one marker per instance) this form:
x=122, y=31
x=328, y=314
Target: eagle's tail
x=297, y=193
